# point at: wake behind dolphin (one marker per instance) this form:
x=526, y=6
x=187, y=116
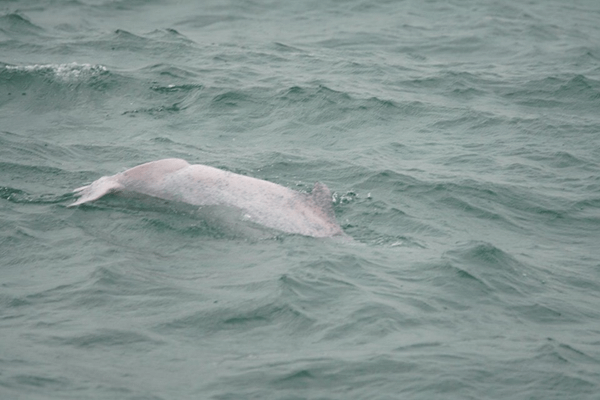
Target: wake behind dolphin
x=263, y=202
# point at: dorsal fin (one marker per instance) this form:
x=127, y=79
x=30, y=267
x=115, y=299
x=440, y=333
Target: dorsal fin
x=321, y=196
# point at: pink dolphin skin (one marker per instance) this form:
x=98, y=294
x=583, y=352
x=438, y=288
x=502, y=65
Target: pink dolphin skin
x=263, y=202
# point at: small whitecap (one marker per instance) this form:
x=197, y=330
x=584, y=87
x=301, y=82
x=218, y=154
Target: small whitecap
x=63, y=71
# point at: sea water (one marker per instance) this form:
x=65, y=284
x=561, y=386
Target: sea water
x=460, y=139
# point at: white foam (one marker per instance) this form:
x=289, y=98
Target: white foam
x=63, y=71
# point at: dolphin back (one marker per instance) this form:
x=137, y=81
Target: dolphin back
x=263, y=202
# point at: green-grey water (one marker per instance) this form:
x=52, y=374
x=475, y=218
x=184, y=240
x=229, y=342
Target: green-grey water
x=461, y=140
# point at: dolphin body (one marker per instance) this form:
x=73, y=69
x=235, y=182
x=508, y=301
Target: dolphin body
x=260, y=201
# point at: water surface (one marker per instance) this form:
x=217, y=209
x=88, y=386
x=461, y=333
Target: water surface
x=461, y=141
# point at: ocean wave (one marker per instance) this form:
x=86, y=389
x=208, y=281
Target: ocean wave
x=64, y=72
x=16, y=25
x=170, y=35
x=102, y=337
x=165, y=44
x=183, y=75
x=567, y=91
x=43, y=88
x=241, y=319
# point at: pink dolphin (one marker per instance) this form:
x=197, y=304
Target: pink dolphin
x=263, y=202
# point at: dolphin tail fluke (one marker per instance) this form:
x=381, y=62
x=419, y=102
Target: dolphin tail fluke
x=95, y=190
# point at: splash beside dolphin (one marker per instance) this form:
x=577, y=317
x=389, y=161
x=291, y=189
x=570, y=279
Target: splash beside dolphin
x=262, y=202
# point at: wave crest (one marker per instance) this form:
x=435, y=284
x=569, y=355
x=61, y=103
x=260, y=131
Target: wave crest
x=67, y=72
